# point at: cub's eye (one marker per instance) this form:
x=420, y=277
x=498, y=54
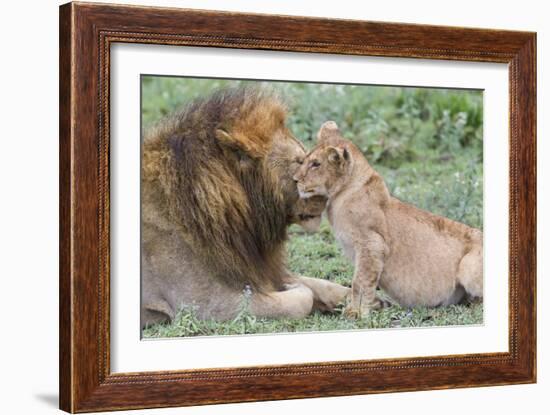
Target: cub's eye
x=315, y=163
x=299, y=160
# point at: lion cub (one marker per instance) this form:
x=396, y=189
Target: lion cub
x=418, y=258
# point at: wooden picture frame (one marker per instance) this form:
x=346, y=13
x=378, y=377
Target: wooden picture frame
x=86, y=33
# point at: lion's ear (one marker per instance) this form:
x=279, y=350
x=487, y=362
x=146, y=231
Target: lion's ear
x=238, y=142
x=337, y=155
x=225, y=138
x=328, y=133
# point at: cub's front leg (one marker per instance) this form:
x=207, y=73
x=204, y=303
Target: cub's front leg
x=369, y=263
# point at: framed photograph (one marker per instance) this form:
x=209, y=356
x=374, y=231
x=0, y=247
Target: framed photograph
x=258, y=207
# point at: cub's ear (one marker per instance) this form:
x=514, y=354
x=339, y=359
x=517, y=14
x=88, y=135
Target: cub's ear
x=240, y=142
x=328, y=133
x=338, y=156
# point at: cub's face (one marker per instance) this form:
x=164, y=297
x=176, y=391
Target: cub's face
x=321, y=170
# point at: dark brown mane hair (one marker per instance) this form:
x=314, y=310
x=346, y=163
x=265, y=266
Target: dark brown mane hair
x=220, y=193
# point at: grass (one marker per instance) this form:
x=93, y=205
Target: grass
x=426, y=143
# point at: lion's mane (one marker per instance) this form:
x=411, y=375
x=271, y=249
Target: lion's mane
x=205, y=173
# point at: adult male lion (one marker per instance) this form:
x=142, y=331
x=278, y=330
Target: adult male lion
x=217, y=197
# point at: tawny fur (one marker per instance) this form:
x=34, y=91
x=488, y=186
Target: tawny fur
x=417, y=257
x=217, y=197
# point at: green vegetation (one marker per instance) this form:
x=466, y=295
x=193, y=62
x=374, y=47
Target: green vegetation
x=426, y=143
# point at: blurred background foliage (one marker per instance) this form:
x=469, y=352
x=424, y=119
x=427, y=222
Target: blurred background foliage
x=427, y=143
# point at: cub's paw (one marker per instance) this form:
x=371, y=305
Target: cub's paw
x=357, y=312
x=352, y=313
x=380, y=303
